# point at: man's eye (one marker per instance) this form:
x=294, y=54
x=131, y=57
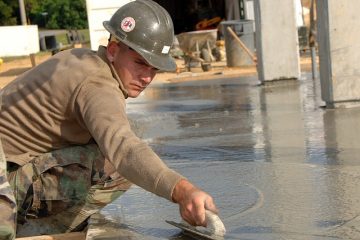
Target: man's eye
x=141, y=63
x=145, y=64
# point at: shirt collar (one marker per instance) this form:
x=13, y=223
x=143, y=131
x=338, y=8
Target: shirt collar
x=102, y=54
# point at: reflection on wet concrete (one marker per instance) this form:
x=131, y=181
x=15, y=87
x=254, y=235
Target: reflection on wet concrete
x=278, y=165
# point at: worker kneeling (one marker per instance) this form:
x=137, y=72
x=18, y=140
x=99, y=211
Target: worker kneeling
x=67, y=140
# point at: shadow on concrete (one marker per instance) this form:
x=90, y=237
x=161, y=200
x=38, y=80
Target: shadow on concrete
x=14, y=72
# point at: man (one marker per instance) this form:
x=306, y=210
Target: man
x=68, y=144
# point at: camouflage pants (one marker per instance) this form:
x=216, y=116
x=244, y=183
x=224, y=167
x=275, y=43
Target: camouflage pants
x=7, y=203
x=58, y=191
x=7, y=200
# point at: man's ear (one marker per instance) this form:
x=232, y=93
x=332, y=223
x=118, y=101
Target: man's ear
x=111, y=51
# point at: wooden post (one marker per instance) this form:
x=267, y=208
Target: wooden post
x=22, y=12
x=242, y=44
x=32, y=59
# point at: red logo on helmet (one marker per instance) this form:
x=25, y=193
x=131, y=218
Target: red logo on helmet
x=128, y=24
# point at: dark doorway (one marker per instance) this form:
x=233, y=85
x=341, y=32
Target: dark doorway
x=186, y=14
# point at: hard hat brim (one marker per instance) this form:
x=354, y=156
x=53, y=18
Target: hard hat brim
x=164, y=63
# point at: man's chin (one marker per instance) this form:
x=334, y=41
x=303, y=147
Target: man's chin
x=134, y=94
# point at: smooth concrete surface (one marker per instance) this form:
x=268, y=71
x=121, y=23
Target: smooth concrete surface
x=278, y=165
x=339, y=51
x=276, y=40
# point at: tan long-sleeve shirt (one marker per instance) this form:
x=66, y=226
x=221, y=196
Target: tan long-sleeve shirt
x=74, y=97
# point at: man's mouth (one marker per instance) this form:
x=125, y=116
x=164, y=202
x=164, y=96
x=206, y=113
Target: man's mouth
x=138, y=88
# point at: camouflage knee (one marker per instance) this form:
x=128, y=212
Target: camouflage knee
x=7, y=205
x=7, y=219
x=7, y=210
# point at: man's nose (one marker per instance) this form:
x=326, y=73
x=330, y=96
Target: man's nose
x=148, y=75
x=146, y=79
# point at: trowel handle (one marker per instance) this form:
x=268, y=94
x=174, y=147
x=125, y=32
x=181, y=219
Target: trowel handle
x=214, y=223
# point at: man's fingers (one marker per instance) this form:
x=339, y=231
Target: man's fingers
x=199, y=214
x=186, y=214
x=210, y=205
x=189, y=221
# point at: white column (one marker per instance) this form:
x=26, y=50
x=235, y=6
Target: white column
x=276, y=40
x=339, y=52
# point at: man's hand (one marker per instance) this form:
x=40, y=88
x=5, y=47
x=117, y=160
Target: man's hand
x=192, y=203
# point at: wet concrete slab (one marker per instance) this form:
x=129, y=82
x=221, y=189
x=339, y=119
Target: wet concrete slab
x=278, y=164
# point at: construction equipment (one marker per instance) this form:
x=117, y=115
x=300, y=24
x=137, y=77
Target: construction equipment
x=197, y=47
x=215, y=229
x=208, y=23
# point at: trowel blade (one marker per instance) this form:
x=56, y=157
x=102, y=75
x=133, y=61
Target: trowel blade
x=193, y=232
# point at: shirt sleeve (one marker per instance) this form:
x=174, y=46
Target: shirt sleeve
x=101, y=109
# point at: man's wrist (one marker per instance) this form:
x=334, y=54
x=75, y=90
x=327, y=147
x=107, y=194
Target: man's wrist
x=182, y=188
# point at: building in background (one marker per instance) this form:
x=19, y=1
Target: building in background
x=97, y=12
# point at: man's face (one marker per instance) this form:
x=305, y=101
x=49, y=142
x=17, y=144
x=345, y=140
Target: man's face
x=134, y=71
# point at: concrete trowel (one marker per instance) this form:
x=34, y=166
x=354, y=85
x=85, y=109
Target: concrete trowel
x=215, y=229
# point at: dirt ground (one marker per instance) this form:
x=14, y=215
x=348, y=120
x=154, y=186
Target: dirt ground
x=10, y=69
